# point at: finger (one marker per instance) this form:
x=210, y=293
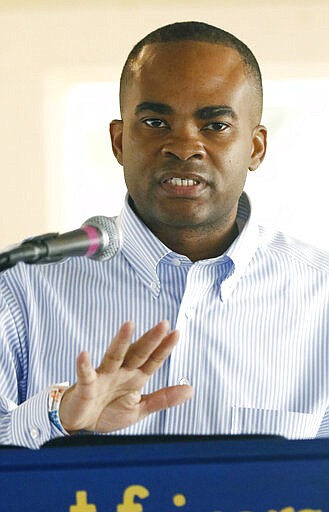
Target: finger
x=164, y=398
x=85, y=372
x=160, y=354
x=116, y=352
x=140, y=351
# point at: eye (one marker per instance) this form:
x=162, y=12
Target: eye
x=216, y=127
x=155, y=123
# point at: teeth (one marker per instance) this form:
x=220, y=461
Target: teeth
x=182, y=182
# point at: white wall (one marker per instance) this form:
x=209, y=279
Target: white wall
x=46, y=46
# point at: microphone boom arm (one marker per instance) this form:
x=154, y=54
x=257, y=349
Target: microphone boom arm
x=32, y=250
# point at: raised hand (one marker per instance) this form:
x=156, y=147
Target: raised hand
x=109, y=398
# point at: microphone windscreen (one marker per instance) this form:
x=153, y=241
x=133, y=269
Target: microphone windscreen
x=109, y=230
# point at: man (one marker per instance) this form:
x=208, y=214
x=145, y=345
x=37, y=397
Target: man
x=251, y=306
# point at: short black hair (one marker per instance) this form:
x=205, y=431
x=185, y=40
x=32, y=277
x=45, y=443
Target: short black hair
x=194, y=31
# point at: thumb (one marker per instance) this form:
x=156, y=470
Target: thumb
x=85, y=372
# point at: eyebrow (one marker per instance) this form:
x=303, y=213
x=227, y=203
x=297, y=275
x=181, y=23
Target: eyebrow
x=207, y=112
x=158, y=108
x=215, y=111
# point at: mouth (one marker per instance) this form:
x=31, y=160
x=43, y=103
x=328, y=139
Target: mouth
x=188, y=186
x=181, y=182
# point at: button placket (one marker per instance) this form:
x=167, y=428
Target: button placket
x=193, y=290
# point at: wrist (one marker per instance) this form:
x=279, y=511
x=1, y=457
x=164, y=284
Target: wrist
x=65, y=414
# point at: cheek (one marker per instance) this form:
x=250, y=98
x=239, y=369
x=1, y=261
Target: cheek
x=239, y=156
x=136, y=180
x=233, y=167
x=135, y=152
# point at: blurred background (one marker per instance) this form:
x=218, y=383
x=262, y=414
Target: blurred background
x=60, y=63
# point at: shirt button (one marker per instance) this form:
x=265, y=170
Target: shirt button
x=154, y=285
x=189, y=312
x=34, y=433
x=176, y=262
x=183, y=381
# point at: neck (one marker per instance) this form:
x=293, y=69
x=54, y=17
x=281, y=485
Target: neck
x=195, y=242
x=198, y=244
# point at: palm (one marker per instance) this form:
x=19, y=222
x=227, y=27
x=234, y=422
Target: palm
x=108, y=398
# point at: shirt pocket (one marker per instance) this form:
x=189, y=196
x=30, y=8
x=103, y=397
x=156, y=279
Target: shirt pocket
x=294, y=425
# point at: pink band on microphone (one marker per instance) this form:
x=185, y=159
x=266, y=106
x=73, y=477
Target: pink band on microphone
x=93, y=235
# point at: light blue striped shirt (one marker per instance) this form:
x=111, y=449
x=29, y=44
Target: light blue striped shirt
x=254, y=332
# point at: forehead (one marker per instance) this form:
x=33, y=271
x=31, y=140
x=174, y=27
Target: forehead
x=186, y=71
x=186, y=56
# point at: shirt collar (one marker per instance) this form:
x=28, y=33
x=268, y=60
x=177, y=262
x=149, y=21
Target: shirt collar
x=141, y=247
x=242, y=250
x=144, y=250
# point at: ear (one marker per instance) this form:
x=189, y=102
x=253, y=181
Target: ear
x=116, y=130
x=259, y=144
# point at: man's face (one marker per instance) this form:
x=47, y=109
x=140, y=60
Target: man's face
x=189, y=133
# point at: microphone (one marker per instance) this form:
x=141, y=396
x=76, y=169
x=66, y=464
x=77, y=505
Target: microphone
x=98, y=238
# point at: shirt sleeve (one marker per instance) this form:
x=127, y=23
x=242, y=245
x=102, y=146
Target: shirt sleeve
x=27, y=424
x=23, y=422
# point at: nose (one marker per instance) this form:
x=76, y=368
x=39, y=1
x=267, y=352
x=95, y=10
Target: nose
x=184, y=144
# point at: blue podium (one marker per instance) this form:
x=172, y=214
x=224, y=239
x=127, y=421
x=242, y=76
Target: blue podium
x=166, y=474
